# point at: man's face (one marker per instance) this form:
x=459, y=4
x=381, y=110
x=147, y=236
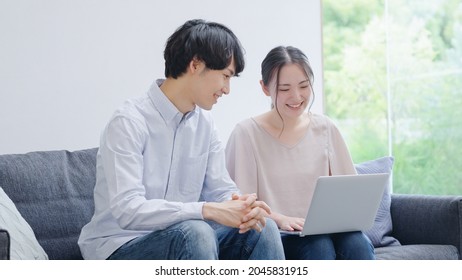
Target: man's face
x=211, y=85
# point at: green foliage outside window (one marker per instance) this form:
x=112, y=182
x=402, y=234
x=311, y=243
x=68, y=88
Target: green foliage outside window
x=393, y=84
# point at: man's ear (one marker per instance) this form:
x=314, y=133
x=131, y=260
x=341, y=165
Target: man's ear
x=195, y=65
x=264, y=88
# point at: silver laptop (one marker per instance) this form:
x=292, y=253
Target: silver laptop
x=344, y=203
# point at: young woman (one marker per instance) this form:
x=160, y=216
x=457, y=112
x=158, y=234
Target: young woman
x=280, y=154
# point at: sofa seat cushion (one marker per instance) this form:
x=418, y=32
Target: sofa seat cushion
x=417, y=252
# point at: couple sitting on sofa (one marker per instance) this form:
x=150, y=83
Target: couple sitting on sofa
x=163, y=185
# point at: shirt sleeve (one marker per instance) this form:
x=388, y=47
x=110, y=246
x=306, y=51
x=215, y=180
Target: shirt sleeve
x=121, y=152
x=241, y=162
x=340, y=162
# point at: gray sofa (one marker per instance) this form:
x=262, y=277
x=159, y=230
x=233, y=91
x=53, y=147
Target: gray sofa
x=53, y=191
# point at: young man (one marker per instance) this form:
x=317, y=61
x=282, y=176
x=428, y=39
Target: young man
x=162, y=189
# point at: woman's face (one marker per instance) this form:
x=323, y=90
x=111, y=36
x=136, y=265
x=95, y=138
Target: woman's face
x=293, y=92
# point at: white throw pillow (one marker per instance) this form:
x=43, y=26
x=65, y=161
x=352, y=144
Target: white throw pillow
x=24, y=245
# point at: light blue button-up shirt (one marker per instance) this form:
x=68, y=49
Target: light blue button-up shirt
x=155, y=167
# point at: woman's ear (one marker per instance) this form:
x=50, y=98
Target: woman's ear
x=264, y=88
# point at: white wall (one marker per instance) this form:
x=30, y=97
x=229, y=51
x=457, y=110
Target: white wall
x=66, y=65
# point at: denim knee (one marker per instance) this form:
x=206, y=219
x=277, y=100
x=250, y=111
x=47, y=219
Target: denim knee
x=354, y=246
x=269, y=245
x=311, y=247
x=193, y=239
x=198, y=239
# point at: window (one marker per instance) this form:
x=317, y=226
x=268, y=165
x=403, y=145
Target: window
x=393, y=84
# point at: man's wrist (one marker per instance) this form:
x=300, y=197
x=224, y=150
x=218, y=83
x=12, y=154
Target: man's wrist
x=208, y=210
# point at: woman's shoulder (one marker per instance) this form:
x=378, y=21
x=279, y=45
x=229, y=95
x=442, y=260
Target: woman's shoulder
x=251, y=127
x=245, y=122
x=253, y=122
x=244, y=125
x=321, y=119
x=242, y=128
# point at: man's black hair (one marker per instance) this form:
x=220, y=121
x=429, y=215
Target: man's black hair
x=210, y=42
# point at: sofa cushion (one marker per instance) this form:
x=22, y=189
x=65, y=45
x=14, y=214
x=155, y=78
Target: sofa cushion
x=379, y=234
x=417, y=252
x=23, y=244
x=53, y=190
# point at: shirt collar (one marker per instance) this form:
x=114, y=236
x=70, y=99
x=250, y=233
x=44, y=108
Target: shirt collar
x=166, y=108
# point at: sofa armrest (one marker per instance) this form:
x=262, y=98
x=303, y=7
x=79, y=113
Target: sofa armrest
x=427, y=219
x=4, y=245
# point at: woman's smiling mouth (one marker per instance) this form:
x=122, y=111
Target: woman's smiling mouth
x=295, y=106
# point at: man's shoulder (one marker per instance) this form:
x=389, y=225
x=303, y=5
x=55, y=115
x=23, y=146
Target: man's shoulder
x=132, y=109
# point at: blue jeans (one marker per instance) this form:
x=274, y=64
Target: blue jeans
x=199, y=240
x=343, y=246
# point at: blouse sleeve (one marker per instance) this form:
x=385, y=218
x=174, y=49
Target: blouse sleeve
x=340, y=162
x=240, y=160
